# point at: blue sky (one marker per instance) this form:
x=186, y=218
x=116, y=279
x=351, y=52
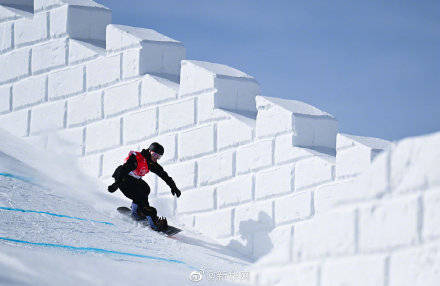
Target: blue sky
x=375, y=65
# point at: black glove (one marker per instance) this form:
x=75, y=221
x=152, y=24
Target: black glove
x=175, y=191
x=112, y=188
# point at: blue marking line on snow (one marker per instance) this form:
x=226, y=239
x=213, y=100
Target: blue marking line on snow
x=43, y=212
x=27, y=180
x=53, y=214
x=97, y=250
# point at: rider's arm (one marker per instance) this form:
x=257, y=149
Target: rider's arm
x=158, y=170
x=124, y=169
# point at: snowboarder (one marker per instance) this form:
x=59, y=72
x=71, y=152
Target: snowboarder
x=128, y=178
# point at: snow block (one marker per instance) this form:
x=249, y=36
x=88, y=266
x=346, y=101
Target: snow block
x=5, y=98
x=235, y=131
x=313, y=171
x=415, y=267
x=281, y=238
x=103, y=134
x=334, y=194
x=48, y=117
x=140, y=125
x=414, y=163
x=48, y=56
x=66, y=82
x=371, y=184
x=84, y=108
x=275, y=181
x=253, y=217
x=198, y=200
x=254, y=156
x=215, y=168
x=153, y=53
x=157, y=89
x=325, y=235
x=67, y=141
x=184, y=174
x=293, y=207
x=16, y=63
x=8, y=14
x=80, y=51
x=311, y=127
x=96, y=78
x=30, y=30
x=15, y=123
x=206, y=111
x=121, y=98
x=236, y=191
x=29, y=91
x=39, y=141
x=85, y=23
x=431, y=217
x=388, y=225
x=354, y=154
x=81, y=20
x=285, y=151
x=360, y=271
x=196, y=142
x=5, y=36
x=176, y=115
x=218, y=224
x=234, y=90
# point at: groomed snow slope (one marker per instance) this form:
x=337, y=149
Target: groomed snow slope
x=52, y=233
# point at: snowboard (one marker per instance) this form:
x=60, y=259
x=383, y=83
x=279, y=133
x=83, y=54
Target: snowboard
x=170, y=231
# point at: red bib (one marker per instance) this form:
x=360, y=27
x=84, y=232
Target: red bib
x=142, y=166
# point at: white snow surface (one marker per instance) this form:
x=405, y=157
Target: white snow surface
x=373, y=143
x=297, y=107
x=59, y=226
x=144, y=34
x=220, y=69
x=86, y=3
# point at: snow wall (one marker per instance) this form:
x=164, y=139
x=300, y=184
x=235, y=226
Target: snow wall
x=269, y=177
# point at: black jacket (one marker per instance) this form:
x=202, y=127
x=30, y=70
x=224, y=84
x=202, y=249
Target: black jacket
x=131, y=164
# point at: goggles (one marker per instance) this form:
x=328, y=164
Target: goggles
x=155, y=155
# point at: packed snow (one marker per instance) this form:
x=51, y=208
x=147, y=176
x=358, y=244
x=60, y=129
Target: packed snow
x=53, y=232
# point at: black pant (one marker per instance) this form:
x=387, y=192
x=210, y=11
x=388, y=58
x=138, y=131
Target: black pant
x=138, y=191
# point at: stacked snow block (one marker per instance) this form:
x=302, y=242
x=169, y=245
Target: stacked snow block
x=145, y=51
x=354, y=154
x=311, y=127
x=229, y=88
x=383, y=222
x=59, y=83
x=256, y=174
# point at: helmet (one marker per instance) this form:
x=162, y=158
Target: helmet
x=156, y=148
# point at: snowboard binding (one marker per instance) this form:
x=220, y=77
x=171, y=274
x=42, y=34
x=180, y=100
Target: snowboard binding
x=157, y=223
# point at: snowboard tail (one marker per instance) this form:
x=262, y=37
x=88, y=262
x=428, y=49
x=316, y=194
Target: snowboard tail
x=169, y=231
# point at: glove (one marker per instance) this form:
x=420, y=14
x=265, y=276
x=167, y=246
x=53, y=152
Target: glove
x=175, y=191
x=112, y=188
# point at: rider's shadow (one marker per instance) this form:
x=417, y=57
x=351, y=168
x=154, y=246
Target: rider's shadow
x=256, y=241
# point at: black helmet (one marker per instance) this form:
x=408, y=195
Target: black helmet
x=156, y=148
